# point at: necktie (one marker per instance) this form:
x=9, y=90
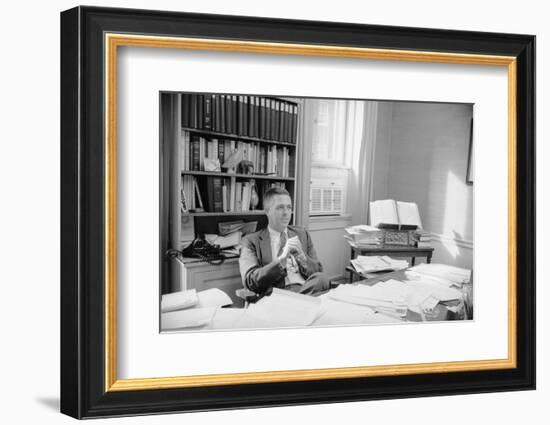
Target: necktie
x=282, y=243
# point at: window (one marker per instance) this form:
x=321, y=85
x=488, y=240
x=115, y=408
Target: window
x=335, y=129
x=329, y=133
x=326, y=197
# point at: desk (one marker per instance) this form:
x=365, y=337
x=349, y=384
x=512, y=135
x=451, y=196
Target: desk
x=193, y=273
x=337, y=313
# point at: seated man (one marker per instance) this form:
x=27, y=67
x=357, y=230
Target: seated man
x=280, y=255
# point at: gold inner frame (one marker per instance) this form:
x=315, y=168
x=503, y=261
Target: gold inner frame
x=113, y=41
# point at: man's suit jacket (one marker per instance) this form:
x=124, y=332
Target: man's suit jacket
x=261, y=272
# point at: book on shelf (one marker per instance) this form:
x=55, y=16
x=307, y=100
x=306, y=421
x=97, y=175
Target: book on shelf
x=270, y=160
x=242, y=115
x=222, y=194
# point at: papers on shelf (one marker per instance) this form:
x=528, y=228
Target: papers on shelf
x=440, y=273
x=228, y=241
x=281, y=309
x=369, y=264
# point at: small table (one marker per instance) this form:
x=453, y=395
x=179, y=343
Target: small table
x=394, y=251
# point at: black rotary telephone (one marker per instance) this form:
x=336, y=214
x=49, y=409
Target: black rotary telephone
x=201, y=248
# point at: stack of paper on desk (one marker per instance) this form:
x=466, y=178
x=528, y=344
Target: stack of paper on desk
x=179, y=300
x=362, y=234
x=185, y=319
x=369, y=264
x=191, y=309
x=207, y=318
x=341, y=313
x=394, y=297
x=388, y=297
x=441, y=273
x=281, y=309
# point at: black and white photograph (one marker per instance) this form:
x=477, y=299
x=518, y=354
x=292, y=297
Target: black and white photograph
x=289, y=212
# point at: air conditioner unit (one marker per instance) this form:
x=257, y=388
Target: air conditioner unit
x=326, y=197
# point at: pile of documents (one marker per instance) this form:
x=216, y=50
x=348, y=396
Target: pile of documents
x=191, y=309
x=373, y=264
x=422, y=238
x=281, y=309
x=385, y=297
x=228, y=241
x=364, y=235
x=440, y=273
x=394, y=297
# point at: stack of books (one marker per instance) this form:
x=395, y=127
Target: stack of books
x=422, y=238
x=363, y=235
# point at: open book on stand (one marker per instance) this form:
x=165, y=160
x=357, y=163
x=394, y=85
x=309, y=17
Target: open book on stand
x=394, y=215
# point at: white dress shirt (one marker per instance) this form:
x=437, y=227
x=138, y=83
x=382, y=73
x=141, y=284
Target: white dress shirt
x=293, y=272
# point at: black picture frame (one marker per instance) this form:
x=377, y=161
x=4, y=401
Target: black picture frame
x=84, y=386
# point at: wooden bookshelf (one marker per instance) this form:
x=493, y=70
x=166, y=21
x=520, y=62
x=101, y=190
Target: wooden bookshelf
x=262, y=129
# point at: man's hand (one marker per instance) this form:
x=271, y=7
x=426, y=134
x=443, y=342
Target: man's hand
x=296, y=250
x=284, y=255
x=293, y=247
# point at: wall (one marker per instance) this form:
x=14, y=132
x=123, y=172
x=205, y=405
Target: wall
x=332, y=249
x=382, y=151
x=422, y=158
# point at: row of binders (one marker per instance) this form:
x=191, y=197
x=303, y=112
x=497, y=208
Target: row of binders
x=218, y=194
x=269, y=160
x=252, y=116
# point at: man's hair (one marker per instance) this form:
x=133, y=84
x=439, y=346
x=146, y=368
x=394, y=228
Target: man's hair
x=271, y=193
